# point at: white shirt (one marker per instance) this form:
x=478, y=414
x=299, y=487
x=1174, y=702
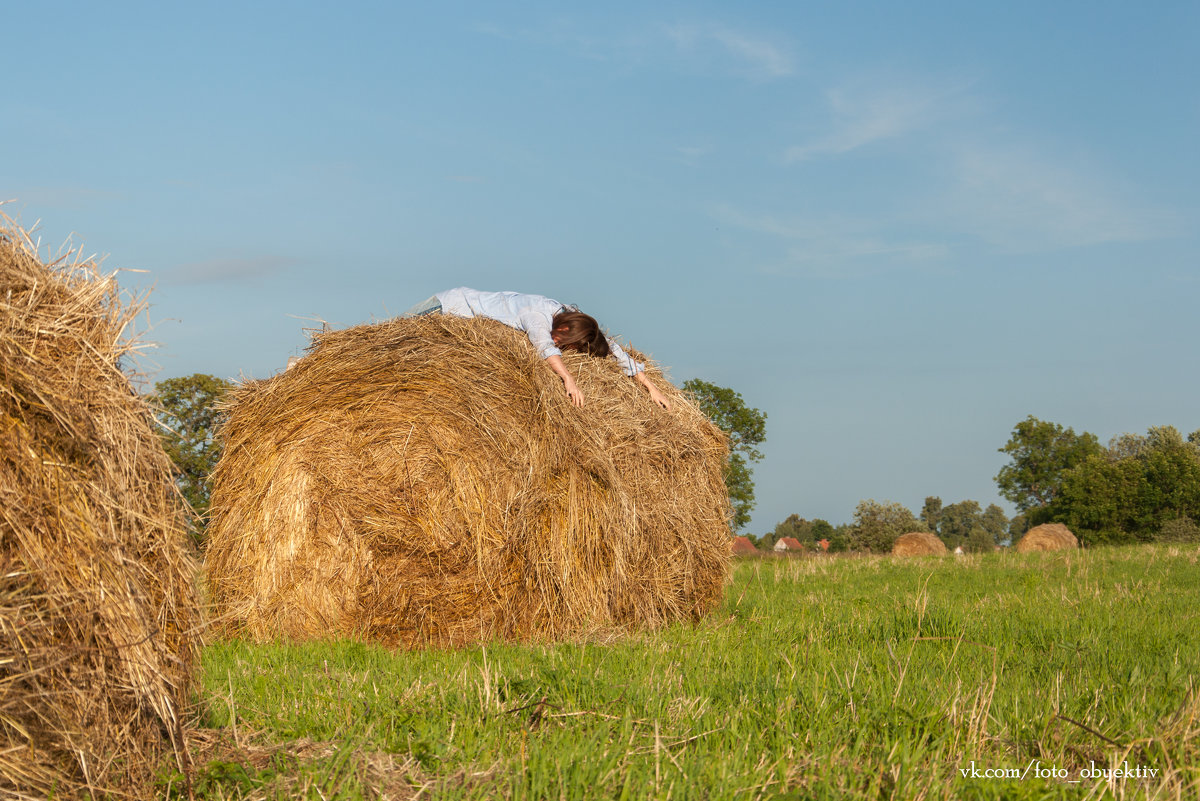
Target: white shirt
x=533, y=314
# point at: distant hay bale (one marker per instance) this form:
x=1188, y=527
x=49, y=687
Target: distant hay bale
x=1047, y=537
x=426, y=481
x=918, y=543
x=97, y=604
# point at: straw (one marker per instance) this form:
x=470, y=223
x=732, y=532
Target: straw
x=97, y=601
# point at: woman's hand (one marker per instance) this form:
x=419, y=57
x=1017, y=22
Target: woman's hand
x=573, y=391
x=655, y=395
x=659, y=398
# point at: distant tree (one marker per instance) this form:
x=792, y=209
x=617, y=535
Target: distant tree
x=187, y=409
x=979, y=541
x=747, y=428
x=1133, y=490
x=931, y=513
x=957, y=521
x=821, y=530
x=877, y=525
x=1017, y=527
x=995, y=522
x=1041, y=453
x=839, y=540
x=794, y=526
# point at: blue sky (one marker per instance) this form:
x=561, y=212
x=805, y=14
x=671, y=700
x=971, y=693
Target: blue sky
x=896, y=228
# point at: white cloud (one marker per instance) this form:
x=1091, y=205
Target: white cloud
x=1023, y=200
x=835, y=245
x=865, y=113
x=752, y=55
x=693, y=154
x=707, y=46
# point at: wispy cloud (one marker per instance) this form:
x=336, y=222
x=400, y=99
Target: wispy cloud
x=752, y=55
x=835, y=246
x=693, y=154
x=710, y=47
x=1021, y=199
x=864, y=113
x=226, y=270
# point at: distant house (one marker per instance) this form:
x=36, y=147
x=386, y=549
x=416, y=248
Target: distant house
x=788, y=544
x=959, y=550
x=743, y=545
x=824, y=544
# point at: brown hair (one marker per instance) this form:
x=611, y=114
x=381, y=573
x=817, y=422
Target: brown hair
x=581, y=333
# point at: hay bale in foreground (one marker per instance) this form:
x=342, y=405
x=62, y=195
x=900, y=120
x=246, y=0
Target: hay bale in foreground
x=1047, y=537
x=97, y=605
x=918, y=543
x=426, y=481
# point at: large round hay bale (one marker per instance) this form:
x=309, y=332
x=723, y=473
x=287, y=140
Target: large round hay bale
x=1047, y=537
x=918, y=543
x=98, y=626
x=426, y=481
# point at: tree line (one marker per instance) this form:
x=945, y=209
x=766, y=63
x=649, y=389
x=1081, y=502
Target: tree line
x=1140, y=488
x=877, y=524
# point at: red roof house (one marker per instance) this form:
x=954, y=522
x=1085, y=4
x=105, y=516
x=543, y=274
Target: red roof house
x=788, y=544
x=743, y=545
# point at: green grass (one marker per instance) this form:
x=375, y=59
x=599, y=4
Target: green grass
x=817, y=678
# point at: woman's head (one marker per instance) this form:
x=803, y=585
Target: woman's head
x=574, y=330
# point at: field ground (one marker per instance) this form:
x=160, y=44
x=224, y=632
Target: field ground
x=818, y=678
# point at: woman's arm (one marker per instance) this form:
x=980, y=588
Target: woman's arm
x=637, y=371
x=655, y=395
x=556, y=364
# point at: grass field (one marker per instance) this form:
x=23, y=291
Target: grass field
x=818, y=678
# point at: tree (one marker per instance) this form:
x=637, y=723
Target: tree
x=187, y=409
x=1017, y=527
x=994, y=522
x=839, y=540
x=957, y=521
x=963, y=522
x=794, y=526
x=822, y=530
x=877, y=525
x=979, y=541
x=746, y=427
x=931, y=512
x=1133, y=490
x=1041, y=453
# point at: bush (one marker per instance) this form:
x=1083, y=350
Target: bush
x=1181, y=529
